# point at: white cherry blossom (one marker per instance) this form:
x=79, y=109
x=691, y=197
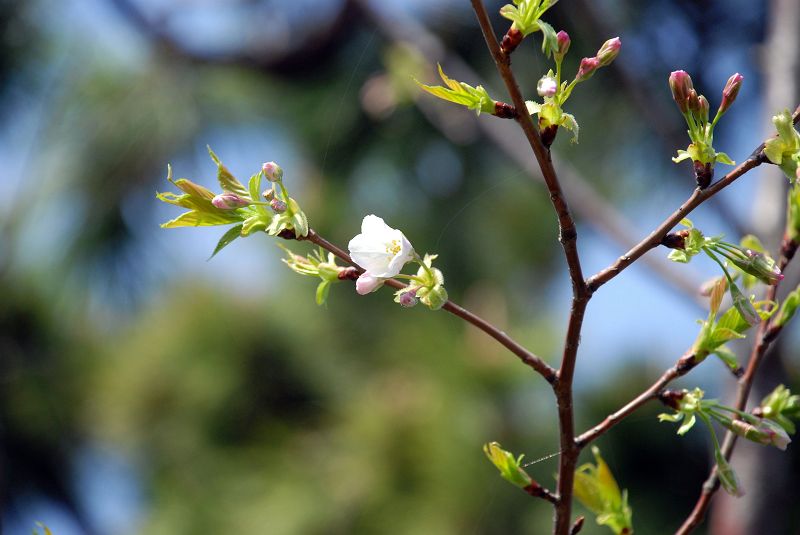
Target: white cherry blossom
x=380, y=250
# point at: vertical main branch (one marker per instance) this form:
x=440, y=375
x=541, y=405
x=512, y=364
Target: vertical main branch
x=568, y=236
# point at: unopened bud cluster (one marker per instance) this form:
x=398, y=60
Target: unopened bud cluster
x=696, y=111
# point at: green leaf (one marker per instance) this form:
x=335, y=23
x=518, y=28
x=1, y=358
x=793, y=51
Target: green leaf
x=252, y=224
x=732, y=319
x=728, y=357
x=687, y=424
x=474, y=98
x=533, y=107
x=724, y=158
x=195, y=190
x=549, y=39
x=323, y=289
x=722, y=335
x=727, y=477
x=677, y=255
x=682, y=155
x=299, y=219
x=202, y=219
x=568, y=121
x=744, y=305
x=788, y=308
x=226, y=179
x=232, y=233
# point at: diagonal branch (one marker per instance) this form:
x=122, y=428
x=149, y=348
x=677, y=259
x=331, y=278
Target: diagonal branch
x=684, y=364
x=698, y=197
x=526, y=356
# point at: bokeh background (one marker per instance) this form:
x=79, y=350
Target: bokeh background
x=144, y=389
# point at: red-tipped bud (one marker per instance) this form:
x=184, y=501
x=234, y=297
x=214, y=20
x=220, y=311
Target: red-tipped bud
x=587, y=68
x=229, y=201
x=609, y=51
x=563, y=40
x=408, y=299
x=680, y=83
x=693, y=102
x=730, y=92
x=702, y=108
x=277, y=205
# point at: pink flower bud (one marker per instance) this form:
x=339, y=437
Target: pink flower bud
x=702, y=108
x=730, y=91
x=367, y=284
x=680, y=83
x=693, y=101
x=229, y=201
x=609, y=51
x=564, y=41
x=277, y=205
x=587, y=68
x=272, y=171
x=547, y=86
x=408, y=299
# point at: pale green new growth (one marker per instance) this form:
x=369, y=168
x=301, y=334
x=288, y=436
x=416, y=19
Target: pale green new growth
x=596, y=488
x=525, y=15
x=507, y=464
x=250, y=213
x=474, y=98
x=749, y=259
x=784, y=150
x=427, y=285
x=315, y=265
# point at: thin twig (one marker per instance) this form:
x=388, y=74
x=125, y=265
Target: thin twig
x=696, y=199
x=681, y=367
x=526, y=356
x=568, y=236
x=767, y=333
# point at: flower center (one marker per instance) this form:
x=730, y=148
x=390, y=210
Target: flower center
x=393, y=247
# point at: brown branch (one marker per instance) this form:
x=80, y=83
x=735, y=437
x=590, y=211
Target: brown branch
x=681, y=368
x=697, y=198
x=767, y=333
x=538, y=491
x=526, y=356
x=568, y=237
